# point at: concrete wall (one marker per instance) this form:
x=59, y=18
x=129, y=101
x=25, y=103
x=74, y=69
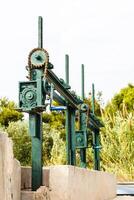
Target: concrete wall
x=41, y=194
x=10, y=171
x=60, y=182
x=73, y=183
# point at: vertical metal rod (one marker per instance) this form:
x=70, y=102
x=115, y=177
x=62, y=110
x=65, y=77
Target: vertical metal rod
x=96, y=141
x=67, y=68
x=96, y=150
x=82, y=118
x=72, y=126
x=40, y=32
x=93, y=99
x=82, y=82
x=68, y=116
x=35, y=127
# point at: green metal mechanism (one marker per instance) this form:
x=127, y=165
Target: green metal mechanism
x=81, y=139
x=32, y=99
x=95, y=127
x=83, y=121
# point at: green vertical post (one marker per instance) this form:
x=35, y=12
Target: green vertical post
x=96, y=139
x=83, y=119
x=82, y=82
x=40, y=32
x=68, y=116
x=67, y=68
x=93, y=99
x=35, y=129
x=35, y=126
x=72, y=136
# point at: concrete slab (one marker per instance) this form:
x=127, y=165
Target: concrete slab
x=10, y=172
x=74, y=183
x=41, y=194
x=26, y=177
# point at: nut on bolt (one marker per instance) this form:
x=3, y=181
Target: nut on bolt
x=84, y=107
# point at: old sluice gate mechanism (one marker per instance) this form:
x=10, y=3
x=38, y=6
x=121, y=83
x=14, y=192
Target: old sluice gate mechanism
x=43, y=82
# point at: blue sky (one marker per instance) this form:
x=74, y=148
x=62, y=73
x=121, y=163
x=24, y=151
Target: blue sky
x=99, y=34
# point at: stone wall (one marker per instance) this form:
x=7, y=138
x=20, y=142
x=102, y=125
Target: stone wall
x=10, y=171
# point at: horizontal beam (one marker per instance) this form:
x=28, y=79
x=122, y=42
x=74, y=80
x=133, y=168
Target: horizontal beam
x=59, y=99
x=94, y=123
x=71, y=99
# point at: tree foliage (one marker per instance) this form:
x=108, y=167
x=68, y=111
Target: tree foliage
x=18, y=131
x=117, y=140
x=123, y=101
x=8, y=113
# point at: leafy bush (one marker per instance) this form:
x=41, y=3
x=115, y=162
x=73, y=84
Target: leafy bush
x=117, y=139
x=8, y=113
x=18, y=131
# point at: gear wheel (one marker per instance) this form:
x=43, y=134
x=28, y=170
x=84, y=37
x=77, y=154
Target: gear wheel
x=38, y=58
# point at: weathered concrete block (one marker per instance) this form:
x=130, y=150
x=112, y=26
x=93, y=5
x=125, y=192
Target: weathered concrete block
x=26, y=177
x=73, y=183
x=41, y=194
x=10, y=173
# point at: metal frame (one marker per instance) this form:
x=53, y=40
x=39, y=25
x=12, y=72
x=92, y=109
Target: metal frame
x=63, y=95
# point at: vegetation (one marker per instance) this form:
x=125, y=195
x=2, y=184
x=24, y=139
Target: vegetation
x=8, y=112
x=122, y=101
x=117, y=136
x=117, y=140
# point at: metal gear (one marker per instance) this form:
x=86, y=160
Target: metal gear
x=38, y=58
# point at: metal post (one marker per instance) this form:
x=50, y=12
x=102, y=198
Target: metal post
x=82, y=119
x=40, y=32
x=96, y=150
x=72, y=133
x=93, y=99
x=96, y=141
x=82, y=82
x=67, y=68
x=68, y=116
x=36, y=128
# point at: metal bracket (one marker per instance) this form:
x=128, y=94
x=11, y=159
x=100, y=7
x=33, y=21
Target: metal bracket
x=31, y=97
x=81, y=139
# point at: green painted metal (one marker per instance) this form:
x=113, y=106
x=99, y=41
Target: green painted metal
x=82, y=82
x=40, y=32
x=93, y=99
x=96, y=147
x=96, y=140
x=72, y=133
x=73, y=100
x=32, y=96
x=83, y=119
x=35, y=126
x=68, y=136
x=83, y=127
x=68, y=116
x=35, y=129
x=37, y=74
x=81, y=139
x=67, y=69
